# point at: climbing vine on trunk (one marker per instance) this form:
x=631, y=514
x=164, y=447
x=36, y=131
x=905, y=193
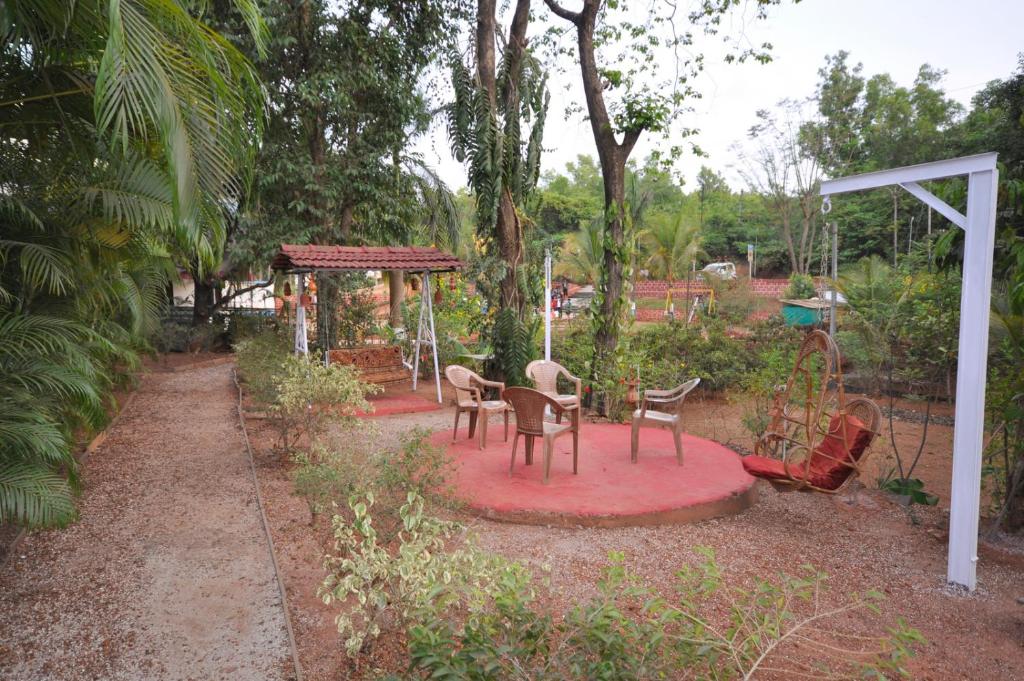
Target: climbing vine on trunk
x=496, y=124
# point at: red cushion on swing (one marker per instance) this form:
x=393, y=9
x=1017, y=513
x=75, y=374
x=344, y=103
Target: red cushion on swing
x=765, y=467
x=830, y=473
x=826, y=470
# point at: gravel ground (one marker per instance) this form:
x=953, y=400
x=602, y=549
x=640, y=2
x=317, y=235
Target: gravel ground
x=168, y=573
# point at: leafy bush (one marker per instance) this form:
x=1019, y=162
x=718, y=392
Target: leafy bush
x=735, y=300
x=333, y=470
x=629, y=631
x=773, y=368
x=309, y=393
x=260, y=360
x=355, y=317
x=457, y=317
x=381, y=590
x=801, y=286
x=172, y=336
x=676, y=352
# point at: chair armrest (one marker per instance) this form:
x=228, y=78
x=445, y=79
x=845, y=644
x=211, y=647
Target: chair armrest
x=663, y=400
x=575, y=381
x=658, y=394
x=491, y=384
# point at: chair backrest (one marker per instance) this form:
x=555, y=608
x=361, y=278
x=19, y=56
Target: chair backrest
x=684, y=390
x=528, y=405
x=813, y=394
x=544, y=374
x=462, y=380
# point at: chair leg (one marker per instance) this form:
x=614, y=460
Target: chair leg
x=483, y=427
x=575, y=450
x=473, y=414
x=512, y=463
x=506, y=425
x=548, y=446
x=634, y=441
x=677, y=438
x=529, y=450
x=455, y=430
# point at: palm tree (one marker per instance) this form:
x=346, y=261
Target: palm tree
x=673, y=247
x=583, y=253
x=435, y=220
x=127, y=130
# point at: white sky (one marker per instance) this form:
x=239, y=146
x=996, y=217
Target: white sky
x=975, y=41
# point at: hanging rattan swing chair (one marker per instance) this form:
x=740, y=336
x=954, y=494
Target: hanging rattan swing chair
x=816, y=440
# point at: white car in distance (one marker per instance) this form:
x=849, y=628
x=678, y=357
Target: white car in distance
x=722, y=270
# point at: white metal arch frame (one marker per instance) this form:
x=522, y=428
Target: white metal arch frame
x=979, y=225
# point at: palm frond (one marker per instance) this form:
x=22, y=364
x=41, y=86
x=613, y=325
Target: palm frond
x=35, y=496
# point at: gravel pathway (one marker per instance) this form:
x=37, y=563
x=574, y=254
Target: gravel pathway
x=168, y=574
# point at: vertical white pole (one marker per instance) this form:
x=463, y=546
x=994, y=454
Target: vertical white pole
x=547, y=306
x=301, y=344
x=975, y=299
x=424, y=293
x=433, y=336
x=929, y=244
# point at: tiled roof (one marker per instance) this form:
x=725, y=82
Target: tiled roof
x=410, y=258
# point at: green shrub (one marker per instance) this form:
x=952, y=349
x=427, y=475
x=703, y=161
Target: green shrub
x=772, y=371
x=260, y=360
x=382, y=590
x=309, y=394
x=801, y=287
x=456, y=318
x=629, y=631
x=734, y=300
x=337, y=467
x=355, y=317
x=676, y=352
x=172, y=336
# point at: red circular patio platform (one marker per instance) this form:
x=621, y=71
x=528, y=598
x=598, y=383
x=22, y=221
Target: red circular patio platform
x=609, y=490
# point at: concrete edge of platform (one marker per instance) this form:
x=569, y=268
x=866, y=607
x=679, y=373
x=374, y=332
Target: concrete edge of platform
x=725, y=506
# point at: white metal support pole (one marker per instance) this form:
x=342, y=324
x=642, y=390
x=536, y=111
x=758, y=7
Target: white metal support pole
x=301, y=344
x=547, y=306
x=972, y=362
x=433, y=336
x=424, y=294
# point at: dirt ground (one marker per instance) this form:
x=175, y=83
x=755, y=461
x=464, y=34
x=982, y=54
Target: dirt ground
x=863, y=540
x=168, y=574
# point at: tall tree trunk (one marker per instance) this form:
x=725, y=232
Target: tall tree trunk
x=508, y=229
x=396, y=296
x=613, y=156
x=203, y=300
x=606, y=339
x=787, y=236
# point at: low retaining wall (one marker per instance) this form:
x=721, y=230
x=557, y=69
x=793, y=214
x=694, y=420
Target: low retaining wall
x=768, y=288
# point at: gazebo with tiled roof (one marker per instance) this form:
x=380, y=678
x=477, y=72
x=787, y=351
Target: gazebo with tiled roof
x=312, y=259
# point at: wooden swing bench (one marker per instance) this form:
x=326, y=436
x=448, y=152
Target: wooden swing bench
x=379, y=364
x=816, y=439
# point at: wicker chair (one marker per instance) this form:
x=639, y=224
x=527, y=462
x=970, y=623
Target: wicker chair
x=544, y=374
x=669, y=416
x=816, y=439
x=529, y=406
x=469, y=398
